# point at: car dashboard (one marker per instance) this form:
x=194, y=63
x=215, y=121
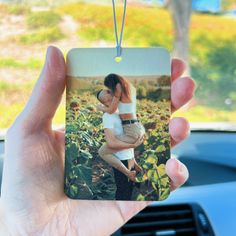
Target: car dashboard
x=205, y=205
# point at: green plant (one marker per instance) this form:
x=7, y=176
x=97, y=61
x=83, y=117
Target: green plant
x=31, y=63
x=84, y=136
x=217, y=78
x=43, y=35
x=18, y=9
x=42, y=19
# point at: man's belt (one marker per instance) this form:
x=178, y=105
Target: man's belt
x=124, y=122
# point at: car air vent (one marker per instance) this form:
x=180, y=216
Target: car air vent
x=168, y=220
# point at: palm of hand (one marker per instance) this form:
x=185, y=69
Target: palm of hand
x=39, y=199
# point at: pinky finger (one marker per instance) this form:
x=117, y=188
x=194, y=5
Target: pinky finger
x=177, y=172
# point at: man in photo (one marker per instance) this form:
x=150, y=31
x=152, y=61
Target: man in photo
x=124, y=103
x=124, y=163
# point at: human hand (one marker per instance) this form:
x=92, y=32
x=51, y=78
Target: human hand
x=138, y=142
x=137, y=167
x=99, y=107
x=32, y=194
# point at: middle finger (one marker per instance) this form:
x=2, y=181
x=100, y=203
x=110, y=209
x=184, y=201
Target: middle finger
x=182, y=90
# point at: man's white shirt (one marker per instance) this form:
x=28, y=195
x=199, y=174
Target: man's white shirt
x=113, y=121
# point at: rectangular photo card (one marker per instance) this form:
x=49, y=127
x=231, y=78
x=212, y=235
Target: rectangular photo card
x=117, y=124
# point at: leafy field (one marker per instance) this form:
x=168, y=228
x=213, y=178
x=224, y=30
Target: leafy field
x=87, y=176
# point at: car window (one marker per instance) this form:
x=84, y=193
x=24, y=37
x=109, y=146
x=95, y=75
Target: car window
x=28, y=27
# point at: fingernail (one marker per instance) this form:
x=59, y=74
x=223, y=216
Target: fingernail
x=180, y=167
x=49, y=50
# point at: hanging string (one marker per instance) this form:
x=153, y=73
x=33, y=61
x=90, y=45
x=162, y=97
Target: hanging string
x=118, y=43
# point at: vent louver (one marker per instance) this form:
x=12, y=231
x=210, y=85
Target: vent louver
x=168, y=220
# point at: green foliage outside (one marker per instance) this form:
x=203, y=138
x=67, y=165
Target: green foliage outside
x=142, y=27
x=212, y=49
x=227, y=4
x=43, y=25
x=17, y=9
x=31, y=63
x=217, y=76
x=212, y=53
x=44, y=35
x=212, y=43
x=42, y=19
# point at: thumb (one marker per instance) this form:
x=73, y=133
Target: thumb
x=46, y=95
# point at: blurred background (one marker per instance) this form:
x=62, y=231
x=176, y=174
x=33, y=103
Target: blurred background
x=200, y=32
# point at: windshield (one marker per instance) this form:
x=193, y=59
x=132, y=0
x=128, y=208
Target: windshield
x=208, y=32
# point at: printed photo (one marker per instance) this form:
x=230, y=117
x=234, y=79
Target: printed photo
x=117, y=137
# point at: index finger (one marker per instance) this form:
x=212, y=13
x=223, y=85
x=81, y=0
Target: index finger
x=177, y=68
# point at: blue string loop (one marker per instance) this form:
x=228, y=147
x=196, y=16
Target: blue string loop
x=118, y=43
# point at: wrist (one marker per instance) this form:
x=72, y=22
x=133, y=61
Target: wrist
x=4, y=229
